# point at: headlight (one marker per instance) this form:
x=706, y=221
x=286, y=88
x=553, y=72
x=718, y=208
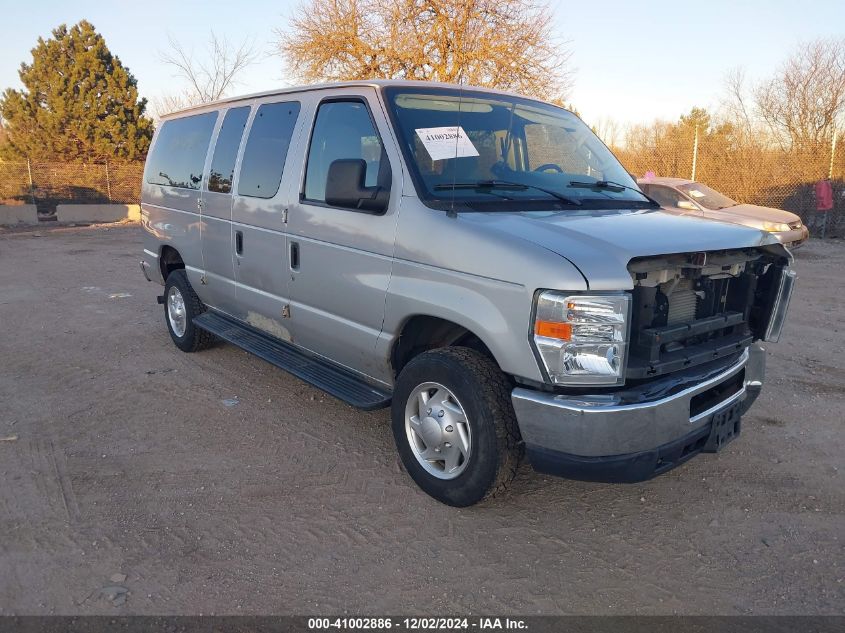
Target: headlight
x=582, y=339
x=775, y=227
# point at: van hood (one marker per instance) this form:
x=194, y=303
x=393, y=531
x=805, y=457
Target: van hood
x=601, y=243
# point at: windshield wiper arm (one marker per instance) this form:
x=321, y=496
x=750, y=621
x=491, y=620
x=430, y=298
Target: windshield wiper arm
x=610, y=186
x=505, y=184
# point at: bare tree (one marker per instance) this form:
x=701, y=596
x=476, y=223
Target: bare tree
x=804, y=101
x=208, y=78
x=609, y=131
x=736, y=104
x=506, y=44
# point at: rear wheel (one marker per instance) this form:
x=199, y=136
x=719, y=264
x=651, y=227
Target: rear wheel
x=454, y=425
x=181, y=305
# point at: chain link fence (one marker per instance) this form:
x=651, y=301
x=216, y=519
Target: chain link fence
x=755, y=174
x=49, y=184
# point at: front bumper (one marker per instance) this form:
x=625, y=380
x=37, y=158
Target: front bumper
x=794, y=238
x=635, y=437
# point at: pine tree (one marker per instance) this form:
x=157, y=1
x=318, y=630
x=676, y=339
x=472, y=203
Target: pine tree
x=78, y=103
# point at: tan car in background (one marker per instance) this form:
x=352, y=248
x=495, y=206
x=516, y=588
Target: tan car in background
x=687, y=197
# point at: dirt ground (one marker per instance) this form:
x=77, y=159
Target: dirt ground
x=217, y=484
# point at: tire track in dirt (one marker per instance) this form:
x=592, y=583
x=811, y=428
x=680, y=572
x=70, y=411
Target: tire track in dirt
x=42, y=490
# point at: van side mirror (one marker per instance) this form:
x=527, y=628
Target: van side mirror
x=345, y=187
x=686, y=204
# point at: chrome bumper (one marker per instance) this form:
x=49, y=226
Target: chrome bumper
x=596, y=426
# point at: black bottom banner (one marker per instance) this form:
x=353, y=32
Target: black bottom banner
x=379, y=624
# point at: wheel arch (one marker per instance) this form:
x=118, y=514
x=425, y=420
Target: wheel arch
x=422, y=332
x=169, y=259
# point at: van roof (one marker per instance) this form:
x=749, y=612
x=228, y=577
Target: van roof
x=370, y=83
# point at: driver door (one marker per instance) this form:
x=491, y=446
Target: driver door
x=340, y=258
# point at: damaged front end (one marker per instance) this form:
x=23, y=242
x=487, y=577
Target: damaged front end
x=695, y=308
x=694, y=366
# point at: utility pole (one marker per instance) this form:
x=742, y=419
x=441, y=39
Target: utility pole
x=29, y=173
x=694, y=152
x=108, y=181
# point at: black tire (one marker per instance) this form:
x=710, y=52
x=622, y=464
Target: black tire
x=484, y=392
x=194, y=339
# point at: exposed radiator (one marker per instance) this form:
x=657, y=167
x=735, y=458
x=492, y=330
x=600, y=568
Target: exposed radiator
x=683, y=303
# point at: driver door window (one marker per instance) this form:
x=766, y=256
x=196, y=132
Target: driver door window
x=342, y=130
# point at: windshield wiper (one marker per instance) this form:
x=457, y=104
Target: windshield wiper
x=610, y=186
x=505, y=184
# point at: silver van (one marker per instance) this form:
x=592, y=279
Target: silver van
x=477, y=261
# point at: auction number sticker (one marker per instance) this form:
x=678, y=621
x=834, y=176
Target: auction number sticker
x=443, y=143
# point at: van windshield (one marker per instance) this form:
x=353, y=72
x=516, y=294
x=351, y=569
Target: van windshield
x=483, y=151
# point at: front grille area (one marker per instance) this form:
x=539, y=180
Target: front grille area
x=698, y=307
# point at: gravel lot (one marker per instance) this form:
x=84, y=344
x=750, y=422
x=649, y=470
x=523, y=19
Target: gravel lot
x=217, y=484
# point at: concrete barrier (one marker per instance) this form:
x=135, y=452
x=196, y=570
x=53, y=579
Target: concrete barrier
x=97, y=212
x=18, y=214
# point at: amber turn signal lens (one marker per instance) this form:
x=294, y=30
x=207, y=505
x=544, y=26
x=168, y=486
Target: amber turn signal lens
x=551, y=329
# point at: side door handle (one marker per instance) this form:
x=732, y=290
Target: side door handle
x=294, y=255
x=239, y=242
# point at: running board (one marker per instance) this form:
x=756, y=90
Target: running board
x=331, y=378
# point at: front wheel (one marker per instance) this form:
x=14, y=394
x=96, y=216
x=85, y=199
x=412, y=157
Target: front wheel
x=454, y=425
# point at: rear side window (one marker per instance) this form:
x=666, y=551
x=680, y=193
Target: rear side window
x=343, y=129
x=178, y=158
x=266, y=149
x=226, y=150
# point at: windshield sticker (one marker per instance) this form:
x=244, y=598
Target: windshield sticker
x=443, y=143
x=695, y=193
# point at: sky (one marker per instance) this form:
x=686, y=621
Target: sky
x=633, y=62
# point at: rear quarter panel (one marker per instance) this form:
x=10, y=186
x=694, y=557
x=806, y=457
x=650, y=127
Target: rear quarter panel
x=170, y=217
